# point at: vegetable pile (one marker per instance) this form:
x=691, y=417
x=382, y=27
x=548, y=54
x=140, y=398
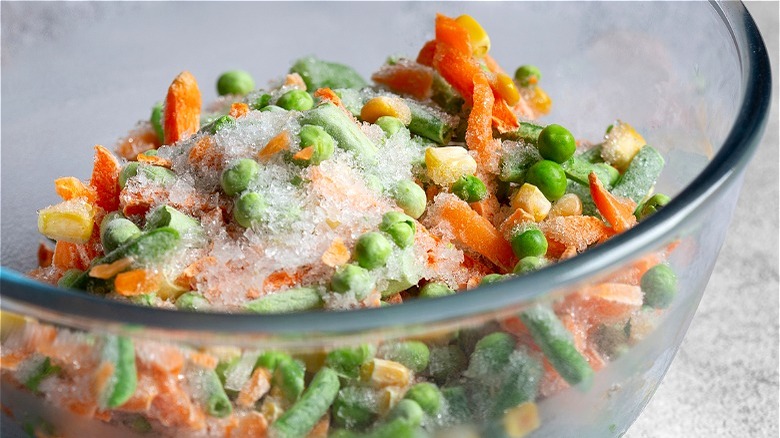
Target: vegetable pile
x=324, y=192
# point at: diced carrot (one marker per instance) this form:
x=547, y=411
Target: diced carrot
x=253, y=389
x=140, y=139
x=108, y=270
x=251, y=424
x=479, y=134
x=102, y=378
x=173, y=406
x=45, y=255
x=406, y=77
x=425, y=57
x=204, y=154
x=154, y=160
x=283, y=279
x=181, y=112
x=320, y=429
x=71, y=188
x=555, y=249
x=328, y=95
x=337, y=254
x=488, y=207
x=304, y=154
x=203, y=360
x=431, y=191
x=577, y=231
x=632, y=274
x=452, y=34
x=281, y=142
x=239, y=109
x=504, y=119
x=187, y=277
x=457, y=68
x=605, y=302
x=12, y=360
x=477, y=233
x=105, y=179
x=136, y=282
x=295, y=80
x=144, y=394
x=514, y=220
x=619, y=212
x=68, y=256
x=492, y=65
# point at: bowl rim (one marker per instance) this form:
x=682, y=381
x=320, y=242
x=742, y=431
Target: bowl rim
x=85, y=311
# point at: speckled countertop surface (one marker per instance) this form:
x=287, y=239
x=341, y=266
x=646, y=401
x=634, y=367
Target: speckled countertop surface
x=724, y=380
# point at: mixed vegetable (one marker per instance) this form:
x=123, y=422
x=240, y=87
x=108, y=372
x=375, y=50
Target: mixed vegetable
x=325, y=192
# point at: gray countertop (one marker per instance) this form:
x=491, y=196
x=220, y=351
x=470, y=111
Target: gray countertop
x=724, y=380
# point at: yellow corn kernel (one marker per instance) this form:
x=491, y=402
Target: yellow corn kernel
x=532, y=200
x=568, y=205
x=71, y=221
x=9, y=322
x=313, y=360
x=386, y=106
x=169, y=290
x=480, y=41
x=382, y=373
x=446, y=164
x=621, y=143
x=539, y=100
x=521, y=420
x=273, y=405
x=388, y=397
x=506, y=87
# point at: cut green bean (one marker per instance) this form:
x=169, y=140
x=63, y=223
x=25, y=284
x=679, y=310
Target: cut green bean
x=40, y=369
x=651, y=206
x=640, y=177
x=592, y=155
x=427, y=123
x=288, y=377
x=347, y=361
x=292, y=300
x=149, y=247
x=209, y=391
x=513, y=166
x=527, y=132
x=120, y=353
x=156, y=121
x=322, y=74
x=557, y=345
x=347, y=134
x=70, y=278
x=578, y=169
x=301, y=417
x=271, y=359
x=414, y=355
x=157, y=174
x=445, y=96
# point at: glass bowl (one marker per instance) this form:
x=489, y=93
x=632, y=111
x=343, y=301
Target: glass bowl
x=693, y=77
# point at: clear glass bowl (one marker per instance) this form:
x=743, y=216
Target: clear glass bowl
x=693, y=77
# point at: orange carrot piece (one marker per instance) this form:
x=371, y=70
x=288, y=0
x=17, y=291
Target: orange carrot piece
x=281, y=142
x=67, y=256
x=295, y=80
x=577, y=231
x=204, y=154
x=154, y=160
x=479, y=134
x=250, y=425
x=320, y=429
x=136, y=282
x=488, y=207
x=139, y=140
x=181, y=112
x=204, y=360
x=452, y=34
x=101, y=378
x=253, y=389
x=108, y=270
x=283, y=279
x=45, y=255
x=337, y=254
x=477, y=233
x=69, y=188
x=105, y=179
x=406, y=78
x=504, y=119
x=425, y=57
x=492, y=65
x=187, y=277
x=457, y=69
x=517, y=218
x=619, y=212
x=238, y=110
x=605, y=302
x=305, y=153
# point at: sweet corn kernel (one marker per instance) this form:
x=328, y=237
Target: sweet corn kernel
x=273, y=405
x=446, y=164
x=621, y=143
x=386, y=106
x=532, y=200
x=521, y=420
x=507, y=89
x=480, y=41
x=9, y=322
x=383, y=373
x=168, y=290
x=539, y=101
x=71, y=221
x=568, y=205
x=388, y=397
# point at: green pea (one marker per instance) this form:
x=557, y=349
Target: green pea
x=549, y=177
x=352, y=278
x=399, y=227
x=320, y=141
x=249, y=209
x=116, y=230
x=652, y=205
x=410, y=197
x=261, y=102
x=427, y=395
x=529, y=264
x=156, y=120
x=529, y=243
x=526, y=75
x=390, y=125
x=296, y=100
x=372, y=250
x=219, y=124
x=556, y=143
x=469, y=188
x=414, y=355
x=157, y=174
x=235, y=82
x=237, y=178
x=435, y=290
x=493, y=278
x=659, y=284
x=272, y=109
x=191, y=301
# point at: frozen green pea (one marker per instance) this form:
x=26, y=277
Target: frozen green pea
x=435, y=290
x=296, y=100
x=493, y=278
x=427, y=395
x=116, y=230
x=261, y=102
x=529, y=243
x=347, y=361
x=659, y=285
x=236, y=82
x=167, y=216
x=219, y=124
x=469, y=188
x=191, y=301
x=410, y=197
x=414, y=355
x=446, y=361
x=400, y=227
x=319, y=140
x=556, y=143
x=372, y=250
x=529, y=264
x=352, y=278
x=239, y=175
x=526, y=75
x=249, y=209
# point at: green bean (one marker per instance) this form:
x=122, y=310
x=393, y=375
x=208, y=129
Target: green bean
x=347, y=361
x=457, y=403
x=435, y=290
x=192, y=301
x=445, y=96
x=288, y=377
x=157, y=174
x=390, y=125
x=578, y=169
x=513, y=166
x=347, y=134
x=167, y=216
x=427, y=395
x=292, y=300
x=322, y=74
x=427, y=123
x=355, y=407
x=592, y=155
x=271, y=359
x=272, y=109
x=583, y=192
x=209, y=391
x=116, y=230
x=70, y=278
x=520, y=382
x=301, y=417
x=351, y=99
x=640, y=177
x=651, y=206
x=446, y=361
x=414, y=355
x=39, y=370
x=527, y=132
x=557, y=345
x=120, y=353
x=490, y=356
x=156, y=121
x=148, y=247
x=659, y=285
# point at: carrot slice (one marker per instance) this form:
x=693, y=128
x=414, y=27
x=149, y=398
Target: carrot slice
x=250, y=424
x=136, y=282
x=605, y=302
x=282, y=279
x=105, y=179
x=337, y=254
x=277, y=144
x=504, y=119
x=457, y=68
x=492, y=65
x=181, y=113
x=68, y=256
x=239, y=109
x=576, y=231
x=45, y=255
x=253, y=389
x=425, y=57
x=154, y=160
x=140, y=139
x=407, y=78
x=304, y=154
x=451, y=33
x=477, y=233
x=69, y=188
x=619, y=212
x=479, y=134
